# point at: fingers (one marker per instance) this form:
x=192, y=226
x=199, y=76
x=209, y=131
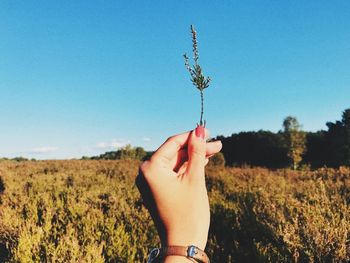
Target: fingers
x=196, y=154
x=172, y=145
x=211, y=149
x=169, y=149
x=185, y=147
x=182, y=168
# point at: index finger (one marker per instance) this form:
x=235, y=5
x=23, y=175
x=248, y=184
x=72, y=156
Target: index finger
x=171, y=146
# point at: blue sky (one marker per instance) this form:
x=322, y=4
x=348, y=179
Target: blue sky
x=84, y=77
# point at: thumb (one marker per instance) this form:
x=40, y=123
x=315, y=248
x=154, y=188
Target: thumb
x=196, y=154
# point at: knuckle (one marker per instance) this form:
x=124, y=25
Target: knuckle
x=169, y=139
x=198, y=150
x=197, y=156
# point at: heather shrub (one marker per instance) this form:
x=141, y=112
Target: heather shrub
x=91, y=211
x=217, y=160
x=83, y=217
x=282, y=216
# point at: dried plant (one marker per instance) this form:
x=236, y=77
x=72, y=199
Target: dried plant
x=257, y=215
x=197, y=77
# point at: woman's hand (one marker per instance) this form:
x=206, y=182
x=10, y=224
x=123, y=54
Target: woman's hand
x=172, y=184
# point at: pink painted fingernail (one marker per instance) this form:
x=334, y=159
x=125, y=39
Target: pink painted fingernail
x=200, y=131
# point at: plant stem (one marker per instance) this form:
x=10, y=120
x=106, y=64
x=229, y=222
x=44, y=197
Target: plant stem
x=202, y=108
x=197, y=77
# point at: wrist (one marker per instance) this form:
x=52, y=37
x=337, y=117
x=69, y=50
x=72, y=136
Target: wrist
x=178, y=254
x=175, y=240
x=178, y=259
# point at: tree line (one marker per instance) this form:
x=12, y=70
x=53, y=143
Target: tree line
x=124, y=153
x=291, y=146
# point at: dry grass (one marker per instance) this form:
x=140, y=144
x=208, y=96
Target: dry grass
x=90, y=211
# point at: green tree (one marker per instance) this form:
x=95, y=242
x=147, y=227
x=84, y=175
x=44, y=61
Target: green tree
x=296, y=140
x=133, y=153
x=127, y=152
x=338, y=140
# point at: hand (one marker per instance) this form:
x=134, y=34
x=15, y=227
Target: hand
x=172, y=184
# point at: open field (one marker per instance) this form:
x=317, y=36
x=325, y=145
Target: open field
x=90, y=211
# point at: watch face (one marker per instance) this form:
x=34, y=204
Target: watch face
x=153, y=255
x=192, y=251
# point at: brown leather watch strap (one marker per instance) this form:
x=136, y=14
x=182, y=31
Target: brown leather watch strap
x=190, y=252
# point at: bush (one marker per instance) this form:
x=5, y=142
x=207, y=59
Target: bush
x=217, y=160
x=69, y=181
x=2, y=185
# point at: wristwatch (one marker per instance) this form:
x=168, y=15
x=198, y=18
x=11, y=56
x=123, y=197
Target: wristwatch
x=192, y=252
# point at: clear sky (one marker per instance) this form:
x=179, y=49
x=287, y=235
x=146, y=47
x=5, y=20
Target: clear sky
x=84, y=77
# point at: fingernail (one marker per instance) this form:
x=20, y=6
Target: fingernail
x=200, y=131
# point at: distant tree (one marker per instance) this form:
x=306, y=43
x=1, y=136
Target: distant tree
x=134, y=153
x=338, y=139
x=20, y=159
x=274, y=150
x=140, y=153
x=261, y=148
x=126, y=152
x=316, y=153
x=296, y=140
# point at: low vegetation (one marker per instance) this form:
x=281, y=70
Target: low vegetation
x=91, y=211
